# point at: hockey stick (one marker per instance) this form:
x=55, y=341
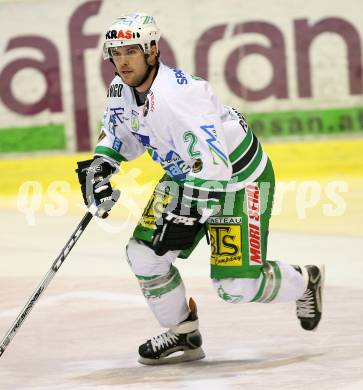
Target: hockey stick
x=46, y=280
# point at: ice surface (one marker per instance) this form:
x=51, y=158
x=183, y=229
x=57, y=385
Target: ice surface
x=85, y=330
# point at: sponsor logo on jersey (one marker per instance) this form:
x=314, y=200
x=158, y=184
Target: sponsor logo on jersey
x=114, y=34
x=146, y=107
x=135, y=120
x=177, y=170
x=225, y=220
x=197, y=166
x=115, y=90
x=180, y=76
x=117, y=144
x=242, y=120
x=174, y=165
x=149, y=104
x=180, y=219
x=143, y=139
x=226, y=245
x=172, y=156
x=151, y=96
x=154, y=209
x=101, y=136
x=117, y=114
x=215, y=146
x=112, y=124
x=154, y=154
x=254, y=230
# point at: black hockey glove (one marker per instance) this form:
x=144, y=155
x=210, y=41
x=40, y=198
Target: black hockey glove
x=94, y=176
x=176, y=231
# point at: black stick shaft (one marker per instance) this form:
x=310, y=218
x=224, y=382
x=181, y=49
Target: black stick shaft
x=44, y=283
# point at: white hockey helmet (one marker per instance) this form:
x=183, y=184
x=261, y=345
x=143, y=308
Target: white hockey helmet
x=132, y=29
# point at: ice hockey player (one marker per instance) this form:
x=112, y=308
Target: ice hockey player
x=218, y=183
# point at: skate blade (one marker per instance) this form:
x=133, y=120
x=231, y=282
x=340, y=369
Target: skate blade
x=187, y=356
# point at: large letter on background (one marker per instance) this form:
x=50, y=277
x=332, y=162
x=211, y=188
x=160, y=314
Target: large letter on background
x=49, y=68
x=304, y=36
x=275, y=54
x=78, y=44
x=203, y=46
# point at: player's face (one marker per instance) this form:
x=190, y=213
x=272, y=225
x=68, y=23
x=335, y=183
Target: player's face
x=130, y=63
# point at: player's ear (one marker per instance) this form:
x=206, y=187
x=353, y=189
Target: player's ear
x=153, y=54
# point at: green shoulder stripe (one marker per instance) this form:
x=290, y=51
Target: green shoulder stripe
x=105, y=151
x=251, y=167
x=242, y=147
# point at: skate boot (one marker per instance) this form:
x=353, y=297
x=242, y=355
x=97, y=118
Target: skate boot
x=309, y=307
x=181, y=343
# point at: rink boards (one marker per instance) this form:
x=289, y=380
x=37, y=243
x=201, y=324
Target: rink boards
x=318, y=185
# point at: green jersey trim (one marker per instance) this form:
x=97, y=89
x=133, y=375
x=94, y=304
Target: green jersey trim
x=105, y=151
x=246, y=172
x=242, y=147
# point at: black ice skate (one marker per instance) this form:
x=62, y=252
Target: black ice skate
x=309, y=307
x=182, y=343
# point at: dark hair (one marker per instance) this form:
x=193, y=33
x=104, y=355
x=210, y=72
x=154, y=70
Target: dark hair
x=153, y=43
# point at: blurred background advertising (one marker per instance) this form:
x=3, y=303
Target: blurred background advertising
x=293, y=68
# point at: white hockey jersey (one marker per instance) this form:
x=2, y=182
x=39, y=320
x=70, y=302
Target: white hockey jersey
x=202, y=145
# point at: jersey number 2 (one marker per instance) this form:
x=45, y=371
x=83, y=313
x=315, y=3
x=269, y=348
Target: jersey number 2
x=192, y=139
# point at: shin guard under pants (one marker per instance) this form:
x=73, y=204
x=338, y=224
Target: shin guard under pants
x=278, y=282
x=160, y=283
